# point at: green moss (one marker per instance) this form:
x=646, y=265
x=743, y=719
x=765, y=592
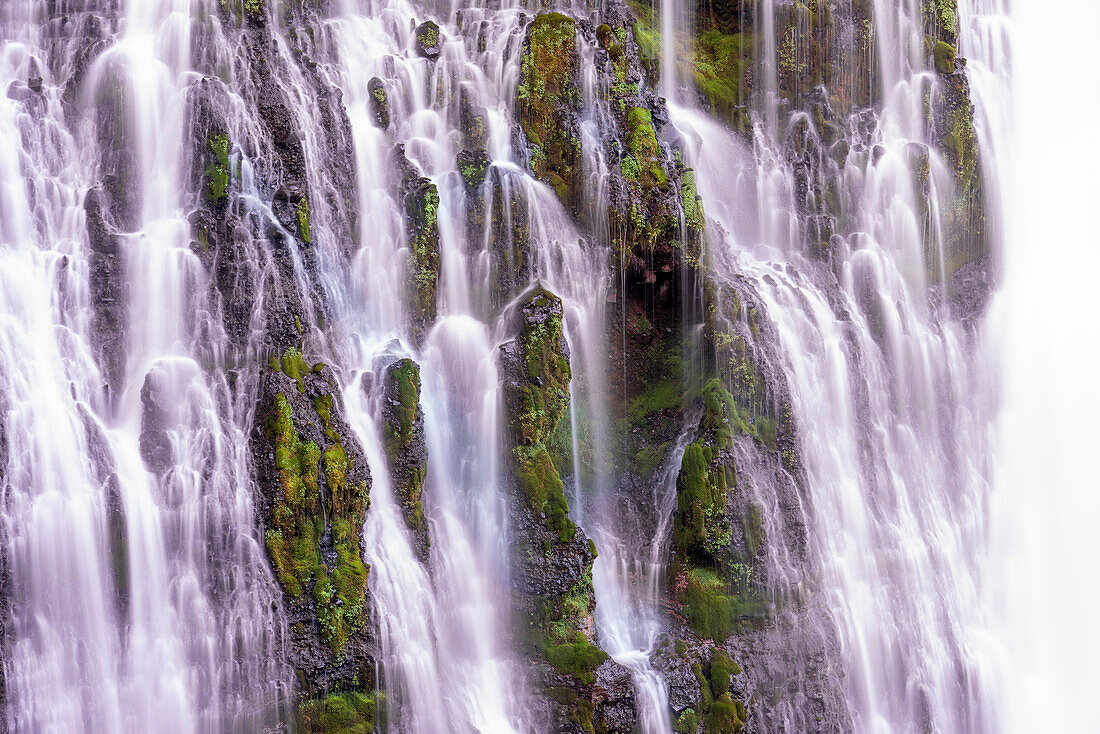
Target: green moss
x=726, y=716
x=642, y=142
x=718, y=711
x=217, y=173
x=722, y=670
x=579, y=659
x=473, y=168
x=397, y=433
x=556, y=634
x=303, y=220
x=254, y=8
x=543, y=489
x=753, y=526
x=657, y=396
x=299, y=512
x=402, y=390
x=720, y=64
x=427, y=35
x=323, y=405
x=352, y=712
x=691, y=202
x=649, y=458
x=631, y=170
x=293, y=365
x=686, y=723
x=701, y=529
x=944, y=56
x=422, y=212
x=292, y=536
x=707, y=608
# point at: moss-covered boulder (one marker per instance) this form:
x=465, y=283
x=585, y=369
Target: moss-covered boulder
x=428, y=40
x=313, y=492
x=406, y=448
x=548, y=102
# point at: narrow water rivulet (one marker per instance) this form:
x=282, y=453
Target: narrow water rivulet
x=518, y=367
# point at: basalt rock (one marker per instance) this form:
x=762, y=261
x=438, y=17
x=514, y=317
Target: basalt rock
x=422, y=221
x=548, y=103
x=552, y=577
x=428, y=42
x=406, y=448
x=379, y=102
x=312, y=494
x=108, y=285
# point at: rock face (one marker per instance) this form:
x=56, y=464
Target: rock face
x=314, y=490
x=548, y=99
x=428, y=42
x=406, y=449
x=552, y=578
x=422, y=219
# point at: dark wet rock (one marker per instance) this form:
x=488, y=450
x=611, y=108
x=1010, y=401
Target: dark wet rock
x=552, y=558
x=379, y=103
x=406, y=448
x=108, y=286
x=614, y=699
x=971, y=287
x=473, y=165
x=422, y=221
x=509, y=235
x=157, y=403
x=475, y=131
x=428, y=40
x=792, y=674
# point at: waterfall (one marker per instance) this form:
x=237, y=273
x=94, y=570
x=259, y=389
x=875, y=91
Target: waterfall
x=197, y=196
x=895, y=413
x=142, y=600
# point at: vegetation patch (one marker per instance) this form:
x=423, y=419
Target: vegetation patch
x=351, y=712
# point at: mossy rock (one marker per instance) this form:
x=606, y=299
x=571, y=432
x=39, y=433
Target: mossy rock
x=428, y=40
x=548, y=101
x=378, y=102
x=316, y=487
x=422, y=221
x=403, y=438
x=351, y=712
x=943, y=55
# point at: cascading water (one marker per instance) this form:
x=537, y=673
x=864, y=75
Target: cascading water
x=141, y=601
x=187, y=186
x=889, y=393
